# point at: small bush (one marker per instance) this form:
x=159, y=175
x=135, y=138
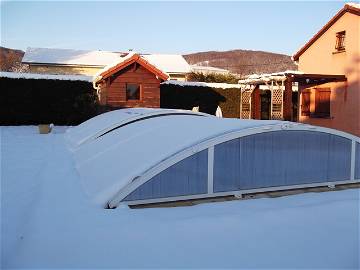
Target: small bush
x=212, y=77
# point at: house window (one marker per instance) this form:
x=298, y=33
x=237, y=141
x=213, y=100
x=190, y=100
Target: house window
x=305, y=103
x=322, y=102
x=133, y=91
x=340, y=41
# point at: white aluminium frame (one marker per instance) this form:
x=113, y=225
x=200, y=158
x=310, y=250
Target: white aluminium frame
x=209, y=145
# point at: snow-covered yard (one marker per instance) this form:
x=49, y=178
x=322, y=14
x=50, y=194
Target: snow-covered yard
x=47, y=221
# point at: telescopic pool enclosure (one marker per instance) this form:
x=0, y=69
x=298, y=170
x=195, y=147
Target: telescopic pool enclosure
x=142, y=156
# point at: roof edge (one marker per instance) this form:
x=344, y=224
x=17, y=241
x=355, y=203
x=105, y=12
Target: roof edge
x=347, y=8
x=135, y=57
x=61, y=65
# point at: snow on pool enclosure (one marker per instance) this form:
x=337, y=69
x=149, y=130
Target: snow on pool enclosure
x=140, y=156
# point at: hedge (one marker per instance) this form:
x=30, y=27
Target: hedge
x=207, y=98
x=41, y=101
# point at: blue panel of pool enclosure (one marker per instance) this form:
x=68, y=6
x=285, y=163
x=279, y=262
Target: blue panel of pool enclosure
x=357, y=161
x=187, y=177
x=281, y=158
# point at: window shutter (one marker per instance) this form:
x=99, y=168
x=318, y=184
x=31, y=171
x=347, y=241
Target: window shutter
x=305, y=103
x=322, y=102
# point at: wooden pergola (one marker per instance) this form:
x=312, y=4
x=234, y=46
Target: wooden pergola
x=287, y=78
x=304, y=81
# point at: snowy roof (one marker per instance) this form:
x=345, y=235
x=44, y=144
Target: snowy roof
x=203, y=84
x=142, y=145
x=354, y=5
x=208, y=69
x=268, y=77
x=69, y=57
x=17, y=75
x=170, y=63
x=126, y=61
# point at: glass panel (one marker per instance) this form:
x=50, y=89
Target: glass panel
x=187, y=177
x=281, y=158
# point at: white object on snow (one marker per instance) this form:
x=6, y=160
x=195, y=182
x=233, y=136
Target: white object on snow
x=218, y=112
x=196, y=109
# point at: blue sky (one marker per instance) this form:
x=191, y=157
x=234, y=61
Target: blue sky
x=163, y=27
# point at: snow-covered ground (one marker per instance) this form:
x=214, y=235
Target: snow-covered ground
x=47, y=221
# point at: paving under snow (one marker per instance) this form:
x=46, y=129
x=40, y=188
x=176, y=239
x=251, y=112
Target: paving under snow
x=47, y=221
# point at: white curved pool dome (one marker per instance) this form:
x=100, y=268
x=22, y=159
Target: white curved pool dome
x=140, y=156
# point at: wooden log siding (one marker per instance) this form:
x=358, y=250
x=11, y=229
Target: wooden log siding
x=149, y=88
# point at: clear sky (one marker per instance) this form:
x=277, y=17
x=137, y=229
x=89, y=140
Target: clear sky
x=163, y=27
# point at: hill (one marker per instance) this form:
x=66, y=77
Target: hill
x=10, y=59
x=243, y=62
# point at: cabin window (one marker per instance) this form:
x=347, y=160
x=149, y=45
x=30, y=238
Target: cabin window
x=340, y=41
x=133, y=91
x=305, y=103
x=322, y=102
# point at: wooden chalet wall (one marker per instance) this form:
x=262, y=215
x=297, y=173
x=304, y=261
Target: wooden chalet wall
x=115, y=88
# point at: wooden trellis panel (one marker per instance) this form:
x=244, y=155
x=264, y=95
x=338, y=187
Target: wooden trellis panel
x=277, y=104
x=245, y=110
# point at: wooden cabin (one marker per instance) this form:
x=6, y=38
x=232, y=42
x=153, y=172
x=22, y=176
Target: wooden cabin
x=132, y=82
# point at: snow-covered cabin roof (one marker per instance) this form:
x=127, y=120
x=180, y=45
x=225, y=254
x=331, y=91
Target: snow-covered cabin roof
x=69, y=57
x=170, y=63
x=18, y=75
x=125, y=61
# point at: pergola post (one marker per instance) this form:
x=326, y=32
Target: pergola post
x=287, y=109
x=256, y=103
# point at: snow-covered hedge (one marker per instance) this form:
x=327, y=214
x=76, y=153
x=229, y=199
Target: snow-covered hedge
x=27, y=101
x=205, y=95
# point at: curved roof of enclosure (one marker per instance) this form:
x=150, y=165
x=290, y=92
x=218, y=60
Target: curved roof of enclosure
x=111, y=162
x=115, y=162
x=103, y=123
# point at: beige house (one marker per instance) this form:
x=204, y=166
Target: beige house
x=209, y=70
x=334, y=50
x=65, y=61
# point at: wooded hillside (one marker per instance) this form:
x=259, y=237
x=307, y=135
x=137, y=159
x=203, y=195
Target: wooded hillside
x=243, y=62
